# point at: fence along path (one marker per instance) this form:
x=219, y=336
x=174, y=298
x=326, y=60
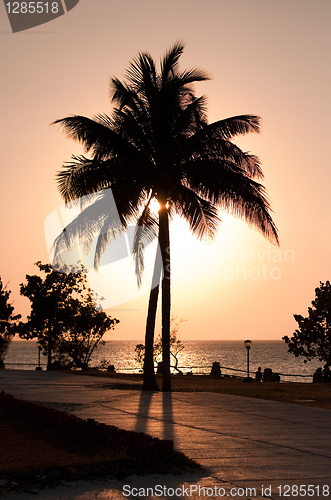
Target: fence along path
x=191, y=368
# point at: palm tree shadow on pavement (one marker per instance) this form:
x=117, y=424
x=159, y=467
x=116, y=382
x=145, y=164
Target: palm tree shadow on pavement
x=167, y=412
x=155, y=412
x=143, y=411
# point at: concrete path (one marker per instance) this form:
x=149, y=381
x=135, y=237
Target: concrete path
x=249, y=448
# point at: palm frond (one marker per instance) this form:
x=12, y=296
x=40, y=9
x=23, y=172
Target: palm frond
x=170, y=61
x=142, y=78
x=191, y=118
x=84, y=227
x=85, y=130
x=233, y=126
x=192, y=75
x=136, y=132
x=120, y=93
x=112, y=227
x=125, y=99
x=83, y=176
x=129, y=200
x=226, y=185
x=97, y=136
x=252, y=205
x=216, y=149
x=80, y=178
x=200, y=214
x=146, y=231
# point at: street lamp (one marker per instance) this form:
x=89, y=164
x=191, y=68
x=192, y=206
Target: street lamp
x=39, y=351
x=247, y=344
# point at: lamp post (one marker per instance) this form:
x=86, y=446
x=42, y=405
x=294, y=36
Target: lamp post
x=248, y=344
x=39, y=351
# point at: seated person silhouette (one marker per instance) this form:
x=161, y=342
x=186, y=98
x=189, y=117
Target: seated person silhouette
x=258, y=375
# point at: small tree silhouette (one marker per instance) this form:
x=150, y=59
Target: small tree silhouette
x=176, y=347
x=313, y=337
x=63, y=316
x=8, y=322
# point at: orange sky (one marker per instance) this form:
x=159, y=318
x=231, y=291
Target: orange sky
x=266, y=58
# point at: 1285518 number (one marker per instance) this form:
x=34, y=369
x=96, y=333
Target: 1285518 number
x=32, y=7
x=303, y=490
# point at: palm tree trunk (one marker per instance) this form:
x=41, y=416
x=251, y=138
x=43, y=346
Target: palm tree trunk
x=150, y=383
x=164, y=240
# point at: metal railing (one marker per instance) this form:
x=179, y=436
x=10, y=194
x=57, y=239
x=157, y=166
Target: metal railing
x=208, y=367
x=190, y=368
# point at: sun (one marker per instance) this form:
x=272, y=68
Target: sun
x=155, y=206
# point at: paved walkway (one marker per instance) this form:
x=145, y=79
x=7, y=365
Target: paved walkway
x=249, y=448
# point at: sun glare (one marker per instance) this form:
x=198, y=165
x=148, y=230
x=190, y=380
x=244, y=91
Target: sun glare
x=155, y=206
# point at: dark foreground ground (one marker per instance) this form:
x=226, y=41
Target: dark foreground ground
x=35, y=457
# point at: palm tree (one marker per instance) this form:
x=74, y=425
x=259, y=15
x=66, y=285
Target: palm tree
x=158, y=144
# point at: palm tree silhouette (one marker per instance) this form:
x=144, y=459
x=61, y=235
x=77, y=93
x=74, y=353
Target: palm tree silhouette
x=157, y=144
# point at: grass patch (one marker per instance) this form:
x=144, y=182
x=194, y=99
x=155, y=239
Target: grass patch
x=307, y=394
x=315, y=395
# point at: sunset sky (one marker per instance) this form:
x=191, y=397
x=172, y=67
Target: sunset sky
x=268, y=58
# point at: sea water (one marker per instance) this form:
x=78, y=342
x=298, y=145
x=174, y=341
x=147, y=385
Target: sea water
x=197, y=357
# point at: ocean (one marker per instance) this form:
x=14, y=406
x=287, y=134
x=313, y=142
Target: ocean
x=197, y=357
